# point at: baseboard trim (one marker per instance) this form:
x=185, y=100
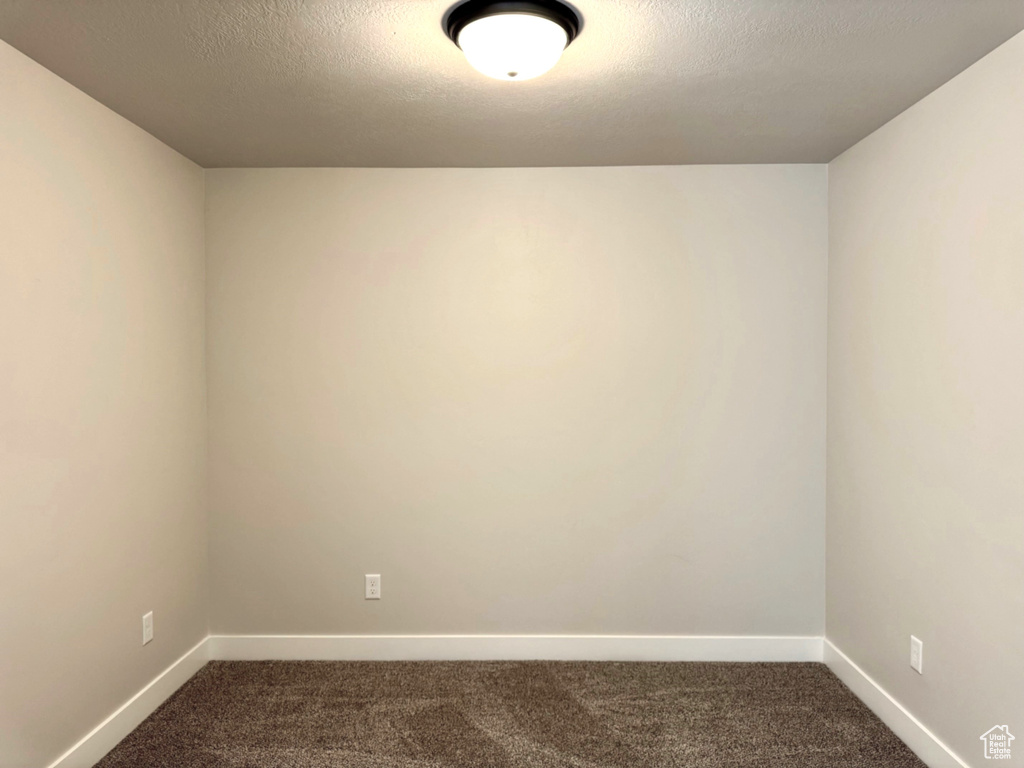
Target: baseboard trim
x=925, y=744
x=512, y=648
x=105, y=736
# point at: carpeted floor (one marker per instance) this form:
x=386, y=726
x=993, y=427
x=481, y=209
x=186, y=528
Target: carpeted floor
x=504, y=714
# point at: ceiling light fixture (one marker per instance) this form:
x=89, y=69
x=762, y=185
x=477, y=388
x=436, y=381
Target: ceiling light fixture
x=512, y=40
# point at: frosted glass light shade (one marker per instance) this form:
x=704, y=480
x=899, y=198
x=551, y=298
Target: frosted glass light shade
x=513, y=46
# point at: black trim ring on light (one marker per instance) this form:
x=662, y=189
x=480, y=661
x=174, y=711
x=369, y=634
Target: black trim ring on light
x=552, y=10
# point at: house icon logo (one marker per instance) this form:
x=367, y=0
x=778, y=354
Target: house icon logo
x=997, y=742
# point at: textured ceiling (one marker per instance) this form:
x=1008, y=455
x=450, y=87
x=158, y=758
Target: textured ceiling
x=377, y=83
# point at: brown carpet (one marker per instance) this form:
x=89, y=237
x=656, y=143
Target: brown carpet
x=505, y=714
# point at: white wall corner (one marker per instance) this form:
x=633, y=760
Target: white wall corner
x=105, y=736
x=925, y=744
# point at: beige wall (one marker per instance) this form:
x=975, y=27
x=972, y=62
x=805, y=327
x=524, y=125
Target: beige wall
x=535, y=400
x=102, y=411
x=926, y=403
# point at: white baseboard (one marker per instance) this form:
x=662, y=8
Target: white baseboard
x=513, y=648
x=105, y=736
x=925, y=744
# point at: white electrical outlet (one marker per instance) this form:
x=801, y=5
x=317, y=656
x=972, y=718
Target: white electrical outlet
x=917, y=655
x=147, y=628
x=373, y=586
